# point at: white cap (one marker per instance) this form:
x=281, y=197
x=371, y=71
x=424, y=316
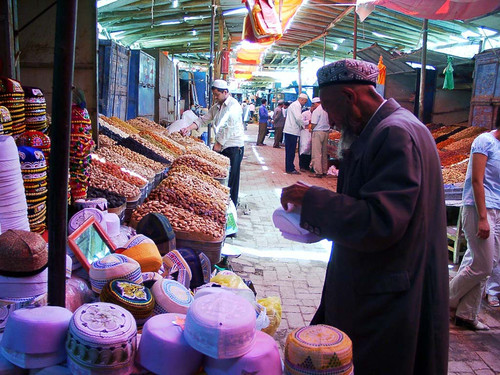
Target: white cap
x=315, y=100
x=220, y=84
x=303, y=96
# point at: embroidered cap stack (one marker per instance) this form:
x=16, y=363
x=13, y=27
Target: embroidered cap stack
x=23, y=272
x=5, y=121
x=163, y=349
x=36, y=139
x=12, y=97
x=112, y=267
x=79, y=154
x=35, y=109
x=34, y=338
x=318, y=349
x=133, y=297
x=102, y=339
x=171, y=297
x=149, y=278
x=145, y=253
x=34, y=170
x=13, y=207
x=221, y=325
x=263, y=358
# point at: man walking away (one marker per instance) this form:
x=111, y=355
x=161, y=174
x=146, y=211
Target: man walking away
x=263, y=120
x=293, y=125
x=320, y=127
x=278, y=123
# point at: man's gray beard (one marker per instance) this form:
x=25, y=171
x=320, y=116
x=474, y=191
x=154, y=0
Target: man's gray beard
x=347, y=138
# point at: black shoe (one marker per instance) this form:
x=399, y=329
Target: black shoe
x=293, y=172
x=473, y=325
x=276, y=147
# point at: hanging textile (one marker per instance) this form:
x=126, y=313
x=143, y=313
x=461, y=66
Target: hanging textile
x=440, y=9
x=249, y=34
x=264, y=19
x=448, y=83
x=381, y=71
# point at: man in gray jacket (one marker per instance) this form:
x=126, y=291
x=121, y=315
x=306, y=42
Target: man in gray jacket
x=278, y=123
x=386, y=284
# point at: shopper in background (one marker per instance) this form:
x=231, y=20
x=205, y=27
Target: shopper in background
x=263, y=120
x=278, y=123
x=320, y=128
x=481, y=225
x=244, y=109
x=229, y=137
x=386, y=282
x=305, y=138
x=293, y=125
x=251, y=110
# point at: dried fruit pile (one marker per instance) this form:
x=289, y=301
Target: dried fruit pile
x=140, y=169
x=115, y=170
x=455, y=174
x=212, y=156
x=193, y=195
x=201, y=228
x=101, y=180
x=201, y=165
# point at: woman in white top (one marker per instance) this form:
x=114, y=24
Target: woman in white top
x=481, y=223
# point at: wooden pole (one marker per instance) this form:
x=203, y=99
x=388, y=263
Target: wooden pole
x=324, y=50
x=355, y=40
x=210, y=68
x=7, y=54
x=423, y=71
x=218, y=60
x=300, y=71
x=64, y=60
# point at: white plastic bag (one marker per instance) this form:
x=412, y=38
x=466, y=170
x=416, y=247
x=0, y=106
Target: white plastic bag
x=305, y=142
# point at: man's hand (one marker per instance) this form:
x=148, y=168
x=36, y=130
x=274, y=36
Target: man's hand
x=187, y=130
x=217, y=147
x=294, y=194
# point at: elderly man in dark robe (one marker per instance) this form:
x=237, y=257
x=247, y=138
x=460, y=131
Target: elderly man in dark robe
x=386, y=283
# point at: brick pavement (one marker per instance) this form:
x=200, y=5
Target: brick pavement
x=296, y=271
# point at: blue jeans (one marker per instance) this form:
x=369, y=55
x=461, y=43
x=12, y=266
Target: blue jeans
x=290, y=149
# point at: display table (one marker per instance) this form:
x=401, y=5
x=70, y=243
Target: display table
x=455, y=233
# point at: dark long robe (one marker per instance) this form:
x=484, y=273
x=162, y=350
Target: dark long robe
x=387, y=279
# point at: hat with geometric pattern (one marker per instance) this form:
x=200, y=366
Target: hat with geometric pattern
x=348, y=71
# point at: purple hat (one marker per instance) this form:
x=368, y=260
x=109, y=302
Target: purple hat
x=348, y=71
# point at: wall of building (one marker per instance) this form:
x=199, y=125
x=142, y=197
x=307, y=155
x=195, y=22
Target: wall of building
x=450, y=106
x=36, y=46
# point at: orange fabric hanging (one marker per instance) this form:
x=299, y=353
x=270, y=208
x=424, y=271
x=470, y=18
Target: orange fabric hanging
x=381, y=71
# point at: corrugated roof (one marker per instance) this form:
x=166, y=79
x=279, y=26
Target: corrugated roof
x=373, y=53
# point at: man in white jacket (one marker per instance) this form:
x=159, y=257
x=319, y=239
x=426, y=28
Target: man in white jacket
x=226, y=115
x=293, y=125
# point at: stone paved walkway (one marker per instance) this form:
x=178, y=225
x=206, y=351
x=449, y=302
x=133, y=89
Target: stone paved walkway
x=295, y=271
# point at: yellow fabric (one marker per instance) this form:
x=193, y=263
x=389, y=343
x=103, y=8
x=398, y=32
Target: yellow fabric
x=288, y=9
x=381, y=71
x=147, y=255
x=243, y=75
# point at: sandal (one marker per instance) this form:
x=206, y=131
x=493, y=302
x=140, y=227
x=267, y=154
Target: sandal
x=493, y=301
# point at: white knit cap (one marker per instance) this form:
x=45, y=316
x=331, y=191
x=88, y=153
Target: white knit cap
x=315, y=100
x=303, y=96
x=220, y=84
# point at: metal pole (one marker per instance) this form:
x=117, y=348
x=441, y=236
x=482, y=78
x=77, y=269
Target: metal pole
x=64, y=59
x=211, y=66
x=421, y=95
x=300, y=71
x=355, y=40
